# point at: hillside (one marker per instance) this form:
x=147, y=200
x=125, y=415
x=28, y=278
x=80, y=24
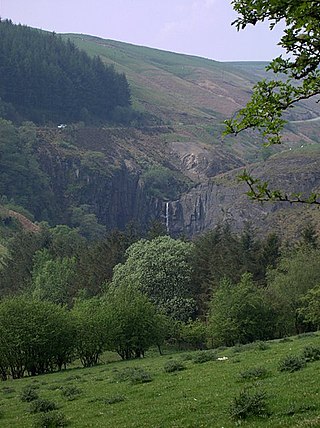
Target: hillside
x=141, y=394
x=183, y=89
x=173, y=157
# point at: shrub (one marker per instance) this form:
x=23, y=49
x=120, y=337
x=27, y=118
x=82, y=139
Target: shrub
x=311, y=353
x=50, y=420
x=261, y=346
x=140, y=376
x=42, y=405
x=133, y=374
x=113, y=400
x=254, y=373
x=291, y=363
x=29, y=393
x=173, y=366
x=8, y=390
x=70, y=392
x=204, y=356
x=250, y=402
x=186, y=357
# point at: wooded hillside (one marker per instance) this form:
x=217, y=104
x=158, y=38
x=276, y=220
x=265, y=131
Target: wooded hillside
x=44, y=78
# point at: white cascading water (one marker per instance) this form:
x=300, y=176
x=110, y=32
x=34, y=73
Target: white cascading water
x=167, y=217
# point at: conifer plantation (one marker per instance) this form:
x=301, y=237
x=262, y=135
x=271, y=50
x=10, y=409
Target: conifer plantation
x=46, y=79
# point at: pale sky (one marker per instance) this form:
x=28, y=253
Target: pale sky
x=197, y=27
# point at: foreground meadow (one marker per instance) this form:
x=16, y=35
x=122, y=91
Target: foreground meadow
x=141, y=393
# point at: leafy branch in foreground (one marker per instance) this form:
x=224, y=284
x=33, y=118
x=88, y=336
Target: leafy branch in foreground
x=260, y=191
x=301, y=40
x=299, y=79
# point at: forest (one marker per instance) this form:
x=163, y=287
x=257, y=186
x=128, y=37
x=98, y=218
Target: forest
x=44, y=79
x=130, y=291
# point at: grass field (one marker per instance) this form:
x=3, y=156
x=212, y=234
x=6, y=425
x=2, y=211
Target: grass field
x=110, y=394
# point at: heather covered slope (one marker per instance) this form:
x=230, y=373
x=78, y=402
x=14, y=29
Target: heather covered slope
x=179, y=87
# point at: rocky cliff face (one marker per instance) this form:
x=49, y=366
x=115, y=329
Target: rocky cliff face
x=223, y=198
x=115, y=194
x=110, y=182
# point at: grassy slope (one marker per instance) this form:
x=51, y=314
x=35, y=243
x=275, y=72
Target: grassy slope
x=173, y=84
x=191, y=93
x=199, y=396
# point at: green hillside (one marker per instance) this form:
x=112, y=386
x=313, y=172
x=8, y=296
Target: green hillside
x=174, y=86
x=192, y=94
x=140, y=393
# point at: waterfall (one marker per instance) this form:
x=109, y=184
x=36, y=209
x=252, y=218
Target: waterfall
x=167, y=217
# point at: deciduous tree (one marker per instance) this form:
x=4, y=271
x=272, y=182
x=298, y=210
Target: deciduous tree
x=161, y=269
x=296, y=77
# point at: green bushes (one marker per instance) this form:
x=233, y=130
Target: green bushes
x=21, y=350
x=311, y=353
x=204, y=356
x=133, y=375
x=70, y=392
x=42, y=405
x=250, y=402
x=29, y=393
x=92, y=331
x=291, y=363
x=171, y=366
x=240, y=313
x=254, y=373
x=134, y=323
x=51, y=419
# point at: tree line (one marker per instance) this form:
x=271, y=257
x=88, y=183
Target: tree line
x=46, y=79
x=127, y=293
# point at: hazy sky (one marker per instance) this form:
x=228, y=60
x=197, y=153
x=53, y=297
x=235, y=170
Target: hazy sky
x=198, y=27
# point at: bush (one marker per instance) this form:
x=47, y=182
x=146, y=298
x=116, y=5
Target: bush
x=254, y=373
x=70, y=392
x=8, y=390
x=133, y=374
x=140, y=376
x=42, y=405
x=311, y=353
x=36, y=336
x=204, y=356
x=173, y=366
x=113, y=400
x=250, y=402
x=261, y=346
x=29, y=393
x=291, y=363
x=50, y=420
